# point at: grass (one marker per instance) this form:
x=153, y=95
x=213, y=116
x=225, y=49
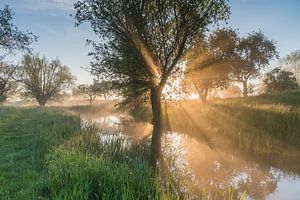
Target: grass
x=265, y=127
x=85, y=168
x=46, y=154
x=26, y=136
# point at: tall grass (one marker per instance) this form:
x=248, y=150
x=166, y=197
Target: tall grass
x=86, y=168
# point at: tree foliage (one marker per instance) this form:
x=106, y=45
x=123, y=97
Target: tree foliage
x=209, y=61
x=44, y=80
x=105, y=89
x=118, y=61
x=255, y=52
x=88, y=90
x=292, y=63
x=8, y=79
x=98, y=88
x=280, y=80
x=11, y=40
x=159, y=33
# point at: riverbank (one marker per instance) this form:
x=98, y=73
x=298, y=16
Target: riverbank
x=47, y=154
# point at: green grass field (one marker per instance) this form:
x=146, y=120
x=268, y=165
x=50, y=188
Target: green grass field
x=26, y=137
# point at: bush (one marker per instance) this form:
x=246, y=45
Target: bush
x=280, y=80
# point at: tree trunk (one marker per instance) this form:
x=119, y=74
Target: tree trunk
x=245, y=88
x=156, y=93
x=203, y=94
x=42, y=101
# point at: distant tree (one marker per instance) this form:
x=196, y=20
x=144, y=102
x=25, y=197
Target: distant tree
x=44, y=80
x=292, y=63
x=98, y=88
x=88, y=90
x=280, y=80
x=159, y=32
x=232, y=91
x=208, y=61
x=254, y=54
x=105, y=89
x=11, y=40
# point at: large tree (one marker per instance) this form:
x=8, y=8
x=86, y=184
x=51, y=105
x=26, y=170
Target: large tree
x=44, y=80
x=160, y=32
x=255, y=52
x=11, y=40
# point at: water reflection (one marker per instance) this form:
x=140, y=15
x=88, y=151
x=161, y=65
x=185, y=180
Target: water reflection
x=199, y=166
x=216, y=170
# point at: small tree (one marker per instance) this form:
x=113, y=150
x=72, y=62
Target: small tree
x=105, y=89
x=280, y=80
x=89, y=90
x=44, y=80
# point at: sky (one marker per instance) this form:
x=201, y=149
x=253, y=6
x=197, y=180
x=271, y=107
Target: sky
x=51, y=21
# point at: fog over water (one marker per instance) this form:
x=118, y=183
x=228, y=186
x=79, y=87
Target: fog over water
x=202, y=159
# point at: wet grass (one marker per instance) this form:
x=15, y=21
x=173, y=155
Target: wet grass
x=26, y=137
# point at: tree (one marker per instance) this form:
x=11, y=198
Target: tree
x=7, y=78
x=160, y=32
x=98, y=88
x=292, y=63
x=280, y=80
x=208, y=61
x=89, y=90
x=44, y=80
x=105, y=89
x=254, y=54
x=11, y=40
